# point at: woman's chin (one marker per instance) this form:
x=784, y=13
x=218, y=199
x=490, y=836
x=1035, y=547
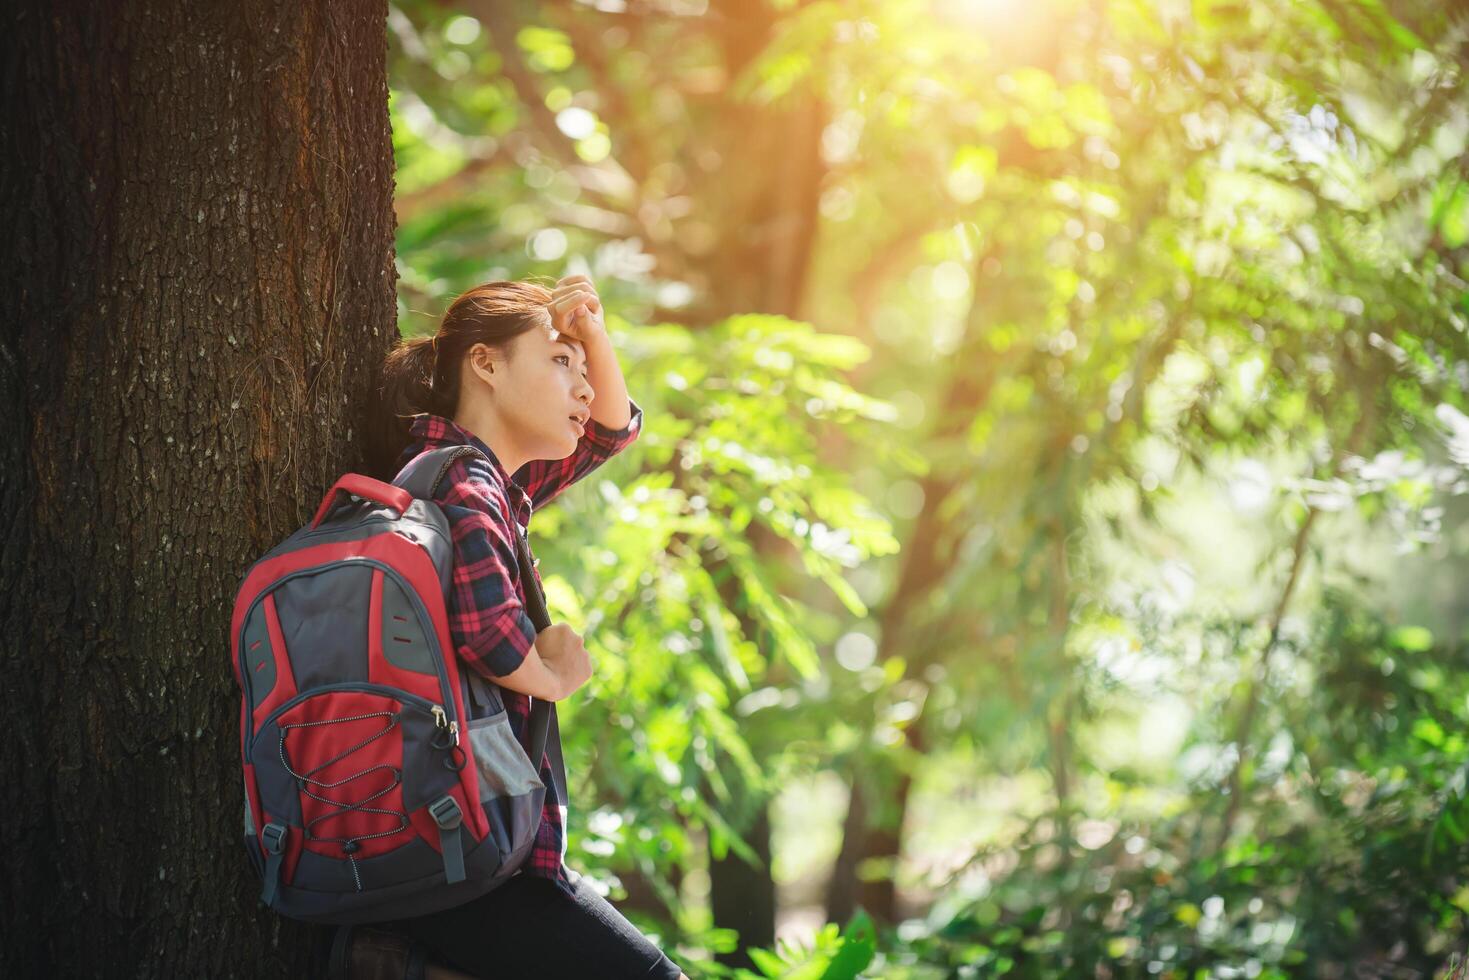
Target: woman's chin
x=563, y=442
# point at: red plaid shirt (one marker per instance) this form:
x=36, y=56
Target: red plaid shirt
x=487, y=618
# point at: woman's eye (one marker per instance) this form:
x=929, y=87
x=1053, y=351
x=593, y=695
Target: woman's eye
x=565, y=359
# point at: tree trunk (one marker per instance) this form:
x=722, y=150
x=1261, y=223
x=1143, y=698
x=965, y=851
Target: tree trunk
x=743, y=897
x=764, y=199
x=927, y=552
x=769, y=226
x=871, y=832
x=878, y=790
x=201, y=290
x=1059, y=720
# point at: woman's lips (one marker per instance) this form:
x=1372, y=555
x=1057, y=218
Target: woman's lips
x=577, y=422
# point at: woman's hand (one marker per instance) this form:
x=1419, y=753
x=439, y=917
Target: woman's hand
x=576, y=310
x=565, y=655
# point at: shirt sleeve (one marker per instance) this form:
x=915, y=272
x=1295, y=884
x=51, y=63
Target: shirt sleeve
x=545, y=479
x=488, y=623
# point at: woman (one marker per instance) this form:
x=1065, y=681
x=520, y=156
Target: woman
x=528, y=376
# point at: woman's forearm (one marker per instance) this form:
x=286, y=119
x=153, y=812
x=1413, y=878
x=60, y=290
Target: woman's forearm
x=535, y=677
x=604, y=373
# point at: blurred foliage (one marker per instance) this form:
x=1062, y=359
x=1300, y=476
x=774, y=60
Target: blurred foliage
x=1062, y=388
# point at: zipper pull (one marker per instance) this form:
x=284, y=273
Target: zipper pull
x=454, y=730
x=440, y=719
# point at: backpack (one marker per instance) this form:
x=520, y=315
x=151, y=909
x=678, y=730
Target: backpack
x=381, y=780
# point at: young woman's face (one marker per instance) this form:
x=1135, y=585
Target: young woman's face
x=544, y=386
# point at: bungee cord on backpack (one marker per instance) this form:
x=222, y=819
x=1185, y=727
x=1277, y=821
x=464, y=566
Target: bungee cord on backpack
x=305, y=781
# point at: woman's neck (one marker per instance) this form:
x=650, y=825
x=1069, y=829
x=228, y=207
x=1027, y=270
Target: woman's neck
x=487, y=425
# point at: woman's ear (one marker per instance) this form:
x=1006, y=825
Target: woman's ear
x=481, y=361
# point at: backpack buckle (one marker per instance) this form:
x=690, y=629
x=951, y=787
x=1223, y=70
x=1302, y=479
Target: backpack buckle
x=273, y=836
x=446, y=813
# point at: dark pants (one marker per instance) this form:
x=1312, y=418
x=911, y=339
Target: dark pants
x=530, y=928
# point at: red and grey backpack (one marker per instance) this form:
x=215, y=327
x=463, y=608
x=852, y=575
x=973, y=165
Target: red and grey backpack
x=381, y=781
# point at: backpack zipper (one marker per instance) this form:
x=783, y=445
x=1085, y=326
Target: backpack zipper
x=397, y=694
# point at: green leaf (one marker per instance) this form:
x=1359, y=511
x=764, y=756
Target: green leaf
x=1413, y=638
x=859, y=946
x=767, y=962
x=1429, y=731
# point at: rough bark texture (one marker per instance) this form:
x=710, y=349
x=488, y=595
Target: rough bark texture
x=199, y=292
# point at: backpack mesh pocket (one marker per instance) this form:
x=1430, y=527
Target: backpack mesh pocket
x=510, y=789
x=504, y=769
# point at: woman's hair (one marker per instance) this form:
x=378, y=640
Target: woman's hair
x=421, y=374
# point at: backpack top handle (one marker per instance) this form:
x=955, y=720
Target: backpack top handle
x=367, y=488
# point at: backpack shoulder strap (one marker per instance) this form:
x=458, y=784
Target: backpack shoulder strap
x=423, y=473
x=421, y=478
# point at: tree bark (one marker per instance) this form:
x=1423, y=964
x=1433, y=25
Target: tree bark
x=200, y=292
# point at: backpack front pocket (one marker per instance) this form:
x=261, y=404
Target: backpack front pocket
x=350, y=771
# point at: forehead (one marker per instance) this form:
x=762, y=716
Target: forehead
x=563, y=343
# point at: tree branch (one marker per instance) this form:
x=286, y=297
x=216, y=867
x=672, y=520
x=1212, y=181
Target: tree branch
x=1353, y=446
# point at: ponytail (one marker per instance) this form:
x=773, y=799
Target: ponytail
x=409, y=386
x=407, y=389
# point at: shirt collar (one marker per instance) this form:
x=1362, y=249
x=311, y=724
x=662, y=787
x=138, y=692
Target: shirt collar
x=434, y=431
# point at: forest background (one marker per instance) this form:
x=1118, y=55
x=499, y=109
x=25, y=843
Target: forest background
x=1045, y=553
x=1047, y=536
